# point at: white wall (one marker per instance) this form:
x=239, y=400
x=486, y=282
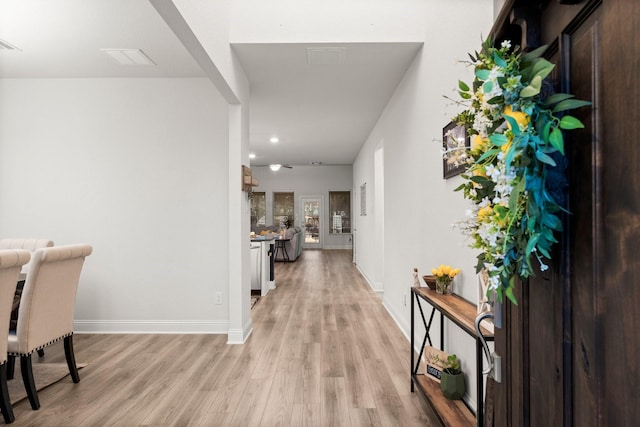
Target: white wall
x=209, y=22
x=308, y=181
x=133, y=167
x=420, y=207
x=497, y=7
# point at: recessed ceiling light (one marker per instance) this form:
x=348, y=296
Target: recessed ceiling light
x=252, y=156
x=129, y=56
x=274, y=139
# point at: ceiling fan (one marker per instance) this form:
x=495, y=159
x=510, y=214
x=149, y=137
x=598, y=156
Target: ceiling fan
x=276, y=166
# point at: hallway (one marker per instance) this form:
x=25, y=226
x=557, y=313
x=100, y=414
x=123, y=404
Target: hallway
x=323, y=352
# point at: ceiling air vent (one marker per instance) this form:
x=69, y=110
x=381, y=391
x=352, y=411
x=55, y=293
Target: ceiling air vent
x=326, y=55
x=7, y=46
x=129, y=56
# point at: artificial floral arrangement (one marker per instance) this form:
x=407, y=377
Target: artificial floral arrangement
x=444, y=276
x=515, y=125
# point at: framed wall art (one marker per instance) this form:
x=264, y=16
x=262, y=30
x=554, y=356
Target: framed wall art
x=454, y=140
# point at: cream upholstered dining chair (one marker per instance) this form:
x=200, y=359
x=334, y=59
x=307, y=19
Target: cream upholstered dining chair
x=11, y=261
x=46, y=309
x=30, y=245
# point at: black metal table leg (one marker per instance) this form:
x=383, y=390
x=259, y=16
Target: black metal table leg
x=479, y=384
x=413, y=350
x=441, y=331
x=415, y=365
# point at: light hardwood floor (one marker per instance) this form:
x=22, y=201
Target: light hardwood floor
x=324, y=352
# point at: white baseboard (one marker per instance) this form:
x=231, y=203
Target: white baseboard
x=404, y=327
x=378, y=288
x=240, y=336
x=151, y=326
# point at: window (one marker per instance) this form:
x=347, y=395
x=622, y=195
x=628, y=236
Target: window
x=363, y=199
x=258, y=210
x=340, y=212
x=283, y=210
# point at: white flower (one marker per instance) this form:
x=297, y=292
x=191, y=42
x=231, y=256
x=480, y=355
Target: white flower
x=493, y=172
x=498, y=200
x=494, y=282
x=494, y=73
x=480, y=123
x=490, y=267
x=489, y=234
x=506, y=44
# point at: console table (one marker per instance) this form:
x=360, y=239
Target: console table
x=463, y=314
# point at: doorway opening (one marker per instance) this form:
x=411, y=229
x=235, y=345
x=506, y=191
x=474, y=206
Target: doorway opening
x=311, y=221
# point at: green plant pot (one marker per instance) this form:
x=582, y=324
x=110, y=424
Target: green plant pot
x=452, y=386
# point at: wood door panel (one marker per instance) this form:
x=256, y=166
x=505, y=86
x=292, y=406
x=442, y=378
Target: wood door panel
x=553, y=360
x=620, y=276
x=570, y=350
x=585, y=153
x=545, y=394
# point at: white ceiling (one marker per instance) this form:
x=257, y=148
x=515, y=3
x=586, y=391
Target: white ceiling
x=321, y=113
x=63, y=38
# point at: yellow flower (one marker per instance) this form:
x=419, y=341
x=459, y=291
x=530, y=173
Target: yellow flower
x=505, y=147
x=445, y=271
x=485, y=212
x=521, y=118
x=479, y=171
x=478, y=144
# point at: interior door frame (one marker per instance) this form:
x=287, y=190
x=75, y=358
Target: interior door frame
x=321, y=226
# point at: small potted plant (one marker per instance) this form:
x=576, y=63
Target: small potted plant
x=444, y=276
x=452, y=379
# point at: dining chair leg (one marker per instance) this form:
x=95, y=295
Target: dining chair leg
x=11, y=367
x=71, y=359
x=29, y=383
x=5, y=401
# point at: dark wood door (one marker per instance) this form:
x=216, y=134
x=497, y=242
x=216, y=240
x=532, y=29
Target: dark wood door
x=570, y=349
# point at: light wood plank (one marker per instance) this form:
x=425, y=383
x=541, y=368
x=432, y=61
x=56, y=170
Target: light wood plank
x=323, y=352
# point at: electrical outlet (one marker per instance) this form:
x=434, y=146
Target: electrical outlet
x=218, y=298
